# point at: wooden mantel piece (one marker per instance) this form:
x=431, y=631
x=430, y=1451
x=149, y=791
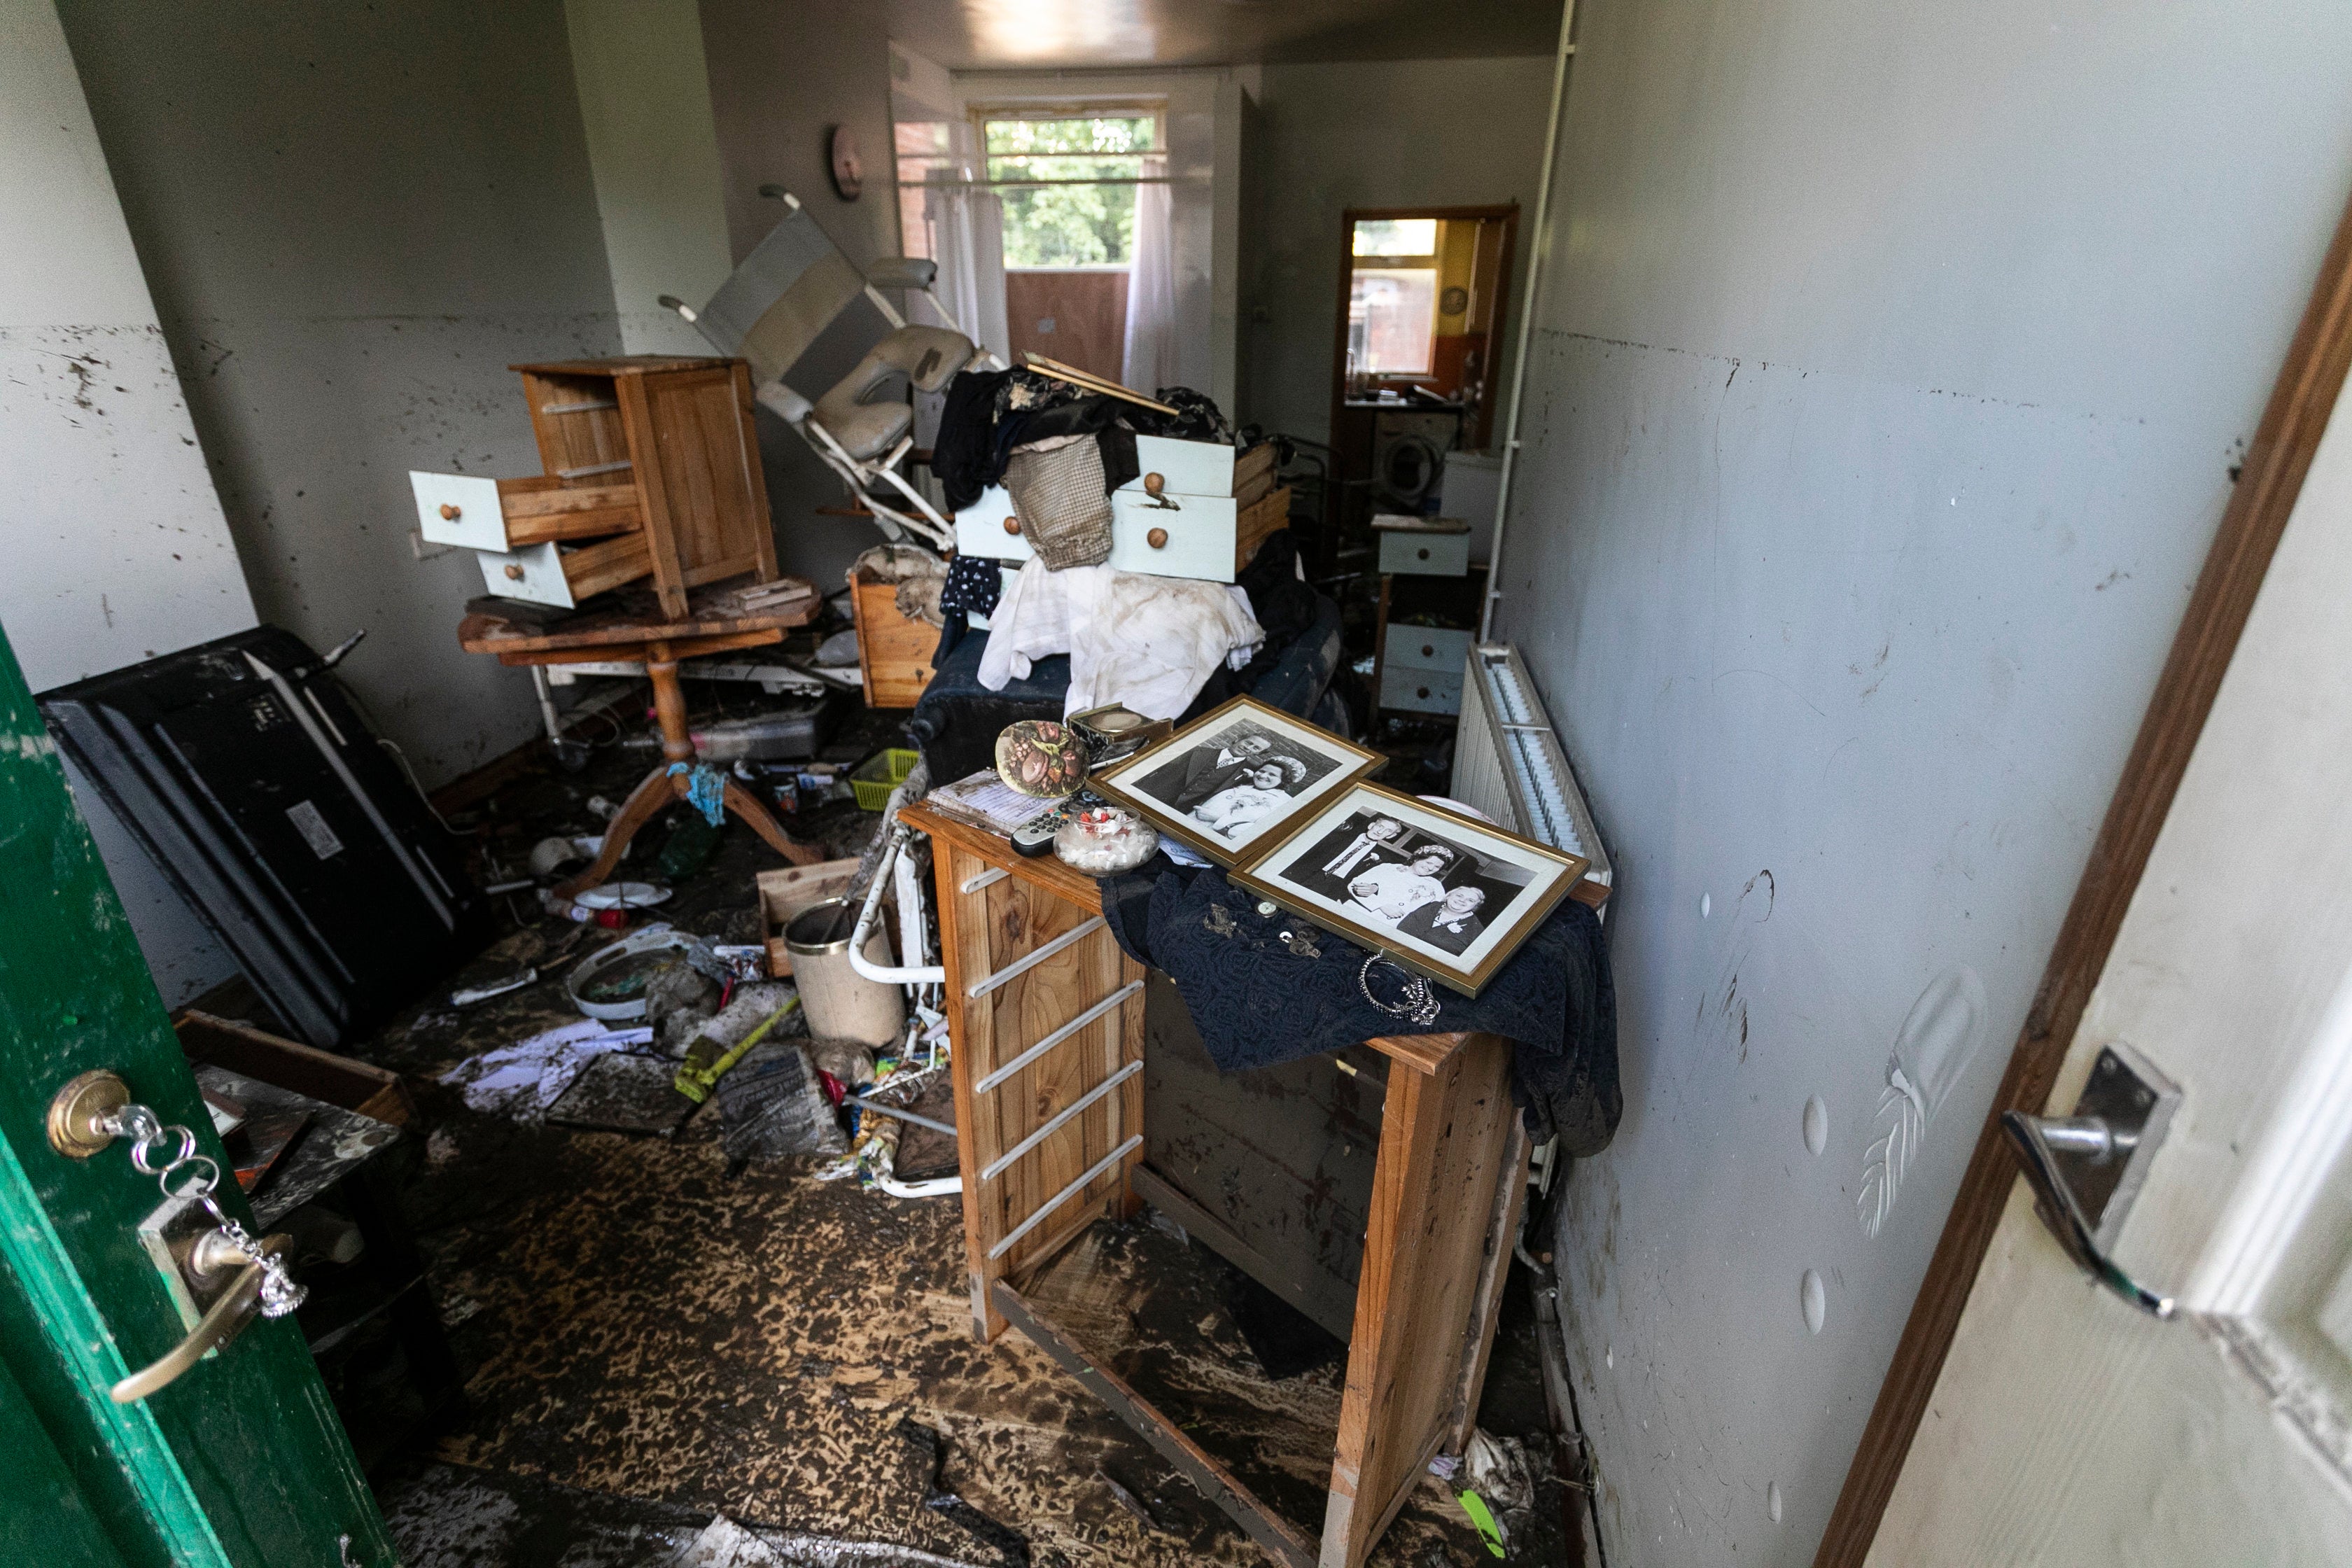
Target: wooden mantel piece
x=1055, y=1142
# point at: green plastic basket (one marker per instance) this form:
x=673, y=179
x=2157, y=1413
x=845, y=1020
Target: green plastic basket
x=873, y=780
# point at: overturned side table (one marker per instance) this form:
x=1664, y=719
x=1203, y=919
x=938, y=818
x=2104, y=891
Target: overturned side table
x=1047, y=1017
x=715, y=622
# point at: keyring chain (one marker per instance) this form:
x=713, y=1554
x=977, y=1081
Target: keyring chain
x=198, y=1176
x=1420, y=1003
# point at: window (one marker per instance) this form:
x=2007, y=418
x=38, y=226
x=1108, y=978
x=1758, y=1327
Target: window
x=1054, y=214
x=925, y=156
x=1392, y=296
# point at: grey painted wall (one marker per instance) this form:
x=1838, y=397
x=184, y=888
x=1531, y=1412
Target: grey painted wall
x=1364, y=134
x=116, y=547
x=1886, y=390
x=354, y=219
x=781, y=77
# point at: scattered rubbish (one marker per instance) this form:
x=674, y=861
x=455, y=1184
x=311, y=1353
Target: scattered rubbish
x=1127, y=1500
x=621, y=896
x=732, y=1032
x=846, y=1060
x=612, y=984
x=789, y=734
x=472, y=995
x=902, y=1114
x=693, y=840
x=873, y=1158
x=517, y=885
x=927, y=1441
x=838, y=649
x=1489, y=1530
x=744, y=960
x=604, y=810
x=457, y=1309
x=528, y=1076
x=727, y=1544
x=680, y=1000
x=626, y=1091
x=1444, y=1467
x=771, y=1107
x=564, y=908
x=550, y=855
x=873, y=780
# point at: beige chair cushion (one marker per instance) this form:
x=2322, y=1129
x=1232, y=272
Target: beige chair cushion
x=928, y=357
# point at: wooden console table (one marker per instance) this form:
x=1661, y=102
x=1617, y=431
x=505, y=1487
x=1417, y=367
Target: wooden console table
x=714, y=623
x=1046, y=1016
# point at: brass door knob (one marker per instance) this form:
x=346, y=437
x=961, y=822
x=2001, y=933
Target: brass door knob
x=1013, y=525
x=1157, y=539
x=223, y=1322
x=81, y=1111
x=449, y=514
x=514, y=573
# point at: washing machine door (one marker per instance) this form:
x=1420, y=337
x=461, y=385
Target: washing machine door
x=1408, y=470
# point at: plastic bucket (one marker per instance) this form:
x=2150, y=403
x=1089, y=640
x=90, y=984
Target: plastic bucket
x=841, y=1004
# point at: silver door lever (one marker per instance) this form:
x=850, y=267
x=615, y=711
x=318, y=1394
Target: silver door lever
x=2085, y=1169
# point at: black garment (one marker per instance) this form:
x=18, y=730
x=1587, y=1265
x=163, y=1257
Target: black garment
x=963, y=455
x=974, y=584
x=1554, y=1000
x=1285, y=607
x=1312, y=867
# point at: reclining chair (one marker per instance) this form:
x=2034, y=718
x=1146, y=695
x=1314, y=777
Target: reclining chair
x=773, y=306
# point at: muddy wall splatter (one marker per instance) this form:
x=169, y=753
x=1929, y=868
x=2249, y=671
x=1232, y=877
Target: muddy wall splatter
x=1890, y=377
x=354, y=219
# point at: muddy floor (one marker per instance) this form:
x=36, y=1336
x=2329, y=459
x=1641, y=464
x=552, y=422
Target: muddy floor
x=650, y=1338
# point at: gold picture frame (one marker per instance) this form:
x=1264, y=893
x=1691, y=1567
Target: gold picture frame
x=1220, y=757
x=1333, y=870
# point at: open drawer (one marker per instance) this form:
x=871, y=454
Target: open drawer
x=508, y=514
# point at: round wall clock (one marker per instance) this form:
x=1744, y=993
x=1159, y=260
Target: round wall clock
x=848, y=173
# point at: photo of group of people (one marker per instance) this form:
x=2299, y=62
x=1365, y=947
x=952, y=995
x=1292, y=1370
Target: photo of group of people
x=1430, y=888
x=1409, y=880
x=1236, y=777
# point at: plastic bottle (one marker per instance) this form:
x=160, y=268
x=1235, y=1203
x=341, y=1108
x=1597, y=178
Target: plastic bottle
x=610, y=919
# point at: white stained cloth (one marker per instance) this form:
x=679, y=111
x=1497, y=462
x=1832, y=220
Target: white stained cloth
x=1149, y=643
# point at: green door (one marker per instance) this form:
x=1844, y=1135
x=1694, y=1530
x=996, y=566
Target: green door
x=239, y=1464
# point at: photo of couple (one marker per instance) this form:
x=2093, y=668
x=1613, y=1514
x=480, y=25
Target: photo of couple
x=1410, y=881
x=1236, y=776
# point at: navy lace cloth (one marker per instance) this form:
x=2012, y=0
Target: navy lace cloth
x=1265, y=989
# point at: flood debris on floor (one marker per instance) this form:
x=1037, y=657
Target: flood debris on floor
x=661, y=1333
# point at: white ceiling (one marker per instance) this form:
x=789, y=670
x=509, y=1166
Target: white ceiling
x=979, y=34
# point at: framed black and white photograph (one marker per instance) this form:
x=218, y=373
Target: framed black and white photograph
x=1233, y=779
x=1441, y=894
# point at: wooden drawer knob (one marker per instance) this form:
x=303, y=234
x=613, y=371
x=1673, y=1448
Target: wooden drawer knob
x=1424, y=693
x=449, y=514
x=1154, y=484
x=1428, y=650
x=1423, y=554
x=514, y=573
x=1011, y=525
x=1157, y=539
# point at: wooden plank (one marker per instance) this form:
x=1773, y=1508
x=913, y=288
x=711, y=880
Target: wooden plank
x=964, y=950
x=1494, y=1270
x=1312, y=1292
x=755, y=478
x=660, y=532
x=1255, y=521
x=341, y=1081
x=1028, y=1007
x=609, y=626
x=2301, y=401
x=621, y=364
x=894, y=653
x=1442, y=1142
x=635, y=650
x=1283, y=1540
x=594, y=568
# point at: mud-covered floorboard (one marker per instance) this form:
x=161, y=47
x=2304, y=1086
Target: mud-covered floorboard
x=647, y=1340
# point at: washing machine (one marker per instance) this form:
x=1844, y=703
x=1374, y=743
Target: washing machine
x=1408, y=449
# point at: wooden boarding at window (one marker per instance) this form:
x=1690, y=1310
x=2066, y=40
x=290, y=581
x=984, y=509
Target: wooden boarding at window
x=1093, y=383
x=1048, y=1019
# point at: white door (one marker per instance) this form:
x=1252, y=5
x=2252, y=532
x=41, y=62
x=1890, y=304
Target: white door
x=2068, y=1427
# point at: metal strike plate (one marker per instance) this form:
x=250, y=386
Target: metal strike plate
x=2125, y=1091
x=169, y=1237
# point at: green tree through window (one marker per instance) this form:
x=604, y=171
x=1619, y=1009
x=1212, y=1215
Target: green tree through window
x=1070, y=225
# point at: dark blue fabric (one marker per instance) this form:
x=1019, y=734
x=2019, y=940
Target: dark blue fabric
x=1259, y=999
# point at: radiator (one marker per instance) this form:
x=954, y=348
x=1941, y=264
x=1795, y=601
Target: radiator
x=1508, y=763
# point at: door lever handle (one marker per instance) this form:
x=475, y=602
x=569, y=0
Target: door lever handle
x=238, y=1305
x=2038, y=1142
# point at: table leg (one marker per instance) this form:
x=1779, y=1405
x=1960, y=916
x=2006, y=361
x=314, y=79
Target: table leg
x=659, y=790
x=746, y=805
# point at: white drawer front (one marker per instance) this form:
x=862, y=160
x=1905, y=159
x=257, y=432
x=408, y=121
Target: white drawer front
x=980, y=529
x=541, y=582
x=474, y=517
x=1199, y=536
x=1425, y=554
x=1427, y=647
x=1189, y=468
x=1421, y=691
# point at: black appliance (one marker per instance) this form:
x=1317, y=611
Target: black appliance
x=248, y=774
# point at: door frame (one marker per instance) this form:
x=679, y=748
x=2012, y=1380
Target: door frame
x=1508, y=212
x=2267, y=487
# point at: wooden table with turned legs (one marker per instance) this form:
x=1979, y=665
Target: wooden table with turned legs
x=714, y=623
